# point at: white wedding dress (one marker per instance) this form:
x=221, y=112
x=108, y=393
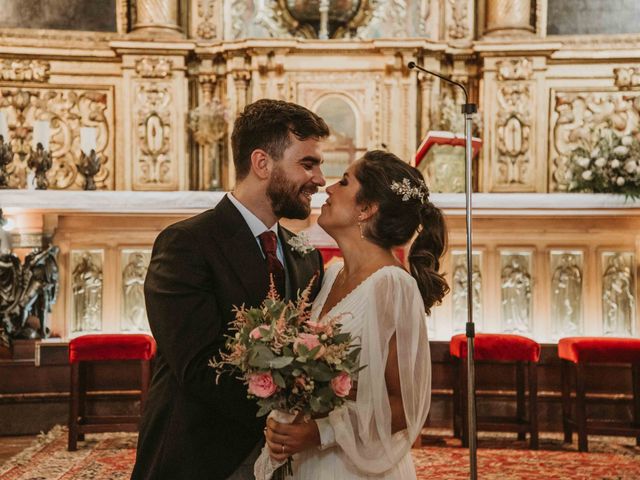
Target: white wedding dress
x=357, y=438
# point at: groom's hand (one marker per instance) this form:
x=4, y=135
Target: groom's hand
x=285, y=440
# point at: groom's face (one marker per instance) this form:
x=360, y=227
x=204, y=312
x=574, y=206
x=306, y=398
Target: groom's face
x=295, y=178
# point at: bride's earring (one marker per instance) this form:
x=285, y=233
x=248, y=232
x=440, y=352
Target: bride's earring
x=360, y=227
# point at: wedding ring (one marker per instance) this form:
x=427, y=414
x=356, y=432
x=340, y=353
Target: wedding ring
x=283, y=448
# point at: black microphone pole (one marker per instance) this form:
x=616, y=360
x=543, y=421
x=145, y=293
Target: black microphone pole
x=468, y=109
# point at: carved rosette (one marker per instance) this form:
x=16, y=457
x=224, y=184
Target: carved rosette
x=152, y=107
x=627, y=77
x=154, y=67
x=577, y=117
x=67, y=110
x=24, y=70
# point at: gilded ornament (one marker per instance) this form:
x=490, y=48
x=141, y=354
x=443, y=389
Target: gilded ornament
x=24, y=70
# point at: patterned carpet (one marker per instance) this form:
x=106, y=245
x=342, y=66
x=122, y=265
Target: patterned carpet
x=110, y=457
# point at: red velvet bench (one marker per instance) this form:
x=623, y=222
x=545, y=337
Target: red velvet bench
x=576, y=354
x=489, y=347
x=105, y=348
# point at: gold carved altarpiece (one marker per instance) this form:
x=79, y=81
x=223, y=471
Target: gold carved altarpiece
x=164, y=88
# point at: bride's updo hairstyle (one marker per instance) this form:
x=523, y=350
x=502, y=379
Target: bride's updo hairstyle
x=403, y=203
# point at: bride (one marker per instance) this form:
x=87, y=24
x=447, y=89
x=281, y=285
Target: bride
x=379, y=204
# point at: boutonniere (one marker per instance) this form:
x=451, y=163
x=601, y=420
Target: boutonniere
x=300, y=243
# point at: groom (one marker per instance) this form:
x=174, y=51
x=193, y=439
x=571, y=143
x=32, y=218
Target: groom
x=202, y=267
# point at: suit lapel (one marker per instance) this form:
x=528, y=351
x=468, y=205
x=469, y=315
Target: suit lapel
x=299, y=266
x=234, y=235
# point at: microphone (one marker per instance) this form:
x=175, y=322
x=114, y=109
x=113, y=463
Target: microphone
x=467, y=108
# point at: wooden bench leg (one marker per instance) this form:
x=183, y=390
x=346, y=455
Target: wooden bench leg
x=533, y=404
x=74, y=407
x=566, y=400
x=82, y=394
x=581, y=408
x=520, y=407
x=635, y=378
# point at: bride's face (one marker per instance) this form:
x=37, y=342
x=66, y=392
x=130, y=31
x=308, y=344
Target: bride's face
x=340, y=212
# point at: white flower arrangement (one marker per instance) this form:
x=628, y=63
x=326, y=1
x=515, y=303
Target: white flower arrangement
x=610, y=165
x=300, y=243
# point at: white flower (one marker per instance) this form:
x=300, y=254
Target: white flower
x=587, y=174
x=615, y=163
x=601, y=162
x=595, y=153
x=621, y=150
x=627, y=140
x=620, y=181
x=630, y=166
x=300, y=243
x=583, y=161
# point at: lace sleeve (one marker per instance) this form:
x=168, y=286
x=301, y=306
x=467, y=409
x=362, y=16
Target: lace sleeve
x=363, y=428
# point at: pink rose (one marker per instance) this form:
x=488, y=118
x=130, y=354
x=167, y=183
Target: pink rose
x=256, y=334
x=341, y=384
x=310, y=341
x=320, y=328
x=262, y=385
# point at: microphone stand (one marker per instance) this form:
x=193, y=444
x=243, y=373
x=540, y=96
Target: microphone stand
x=468, y=109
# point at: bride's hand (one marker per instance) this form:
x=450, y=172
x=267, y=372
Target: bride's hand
x=285, y=440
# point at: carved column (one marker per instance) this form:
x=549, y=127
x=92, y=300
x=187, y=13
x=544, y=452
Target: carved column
x=208, y=123
x=241, y=81
x=426, y=87
x=157, y=17
x=508, y=17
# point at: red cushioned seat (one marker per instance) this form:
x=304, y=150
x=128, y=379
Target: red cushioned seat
x=497, y=347
x=524, y=354
x=599, y=349
x=85, y=350
x=577, y=355
x=96, y=348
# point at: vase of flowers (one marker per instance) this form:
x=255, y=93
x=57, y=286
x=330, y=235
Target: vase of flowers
x=612, y=165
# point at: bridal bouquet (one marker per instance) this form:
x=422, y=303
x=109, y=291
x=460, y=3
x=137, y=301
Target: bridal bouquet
x=611, y=166
x=290, y=364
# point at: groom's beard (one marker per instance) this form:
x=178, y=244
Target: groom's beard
x=286, y=196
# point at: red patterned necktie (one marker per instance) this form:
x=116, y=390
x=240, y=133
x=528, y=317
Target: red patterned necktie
x=269, y=243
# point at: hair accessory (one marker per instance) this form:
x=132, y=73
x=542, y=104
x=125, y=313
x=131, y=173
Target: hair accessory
x=408, y=191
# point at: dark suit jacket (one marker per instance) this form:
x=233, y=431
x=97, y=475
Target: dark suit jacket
x=200, y=268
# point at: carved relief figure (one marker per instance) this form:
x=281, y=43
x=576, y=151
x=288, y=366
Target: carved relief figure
x=133, y=274
x=618, y=301
x=516, y=295
x=459, y=293
x=87, y=294
x=566, y=289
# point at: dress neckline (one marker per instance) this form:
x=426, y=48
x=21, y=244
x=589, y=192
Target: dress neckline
x=351, y=292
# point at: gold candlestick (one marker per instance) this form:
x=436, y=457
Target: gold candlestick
x=89, y=166
x=40, y=162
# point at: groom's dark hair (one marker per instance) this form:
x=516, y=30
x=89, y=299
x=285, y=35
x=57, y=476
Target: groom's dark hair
x=266, y=124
